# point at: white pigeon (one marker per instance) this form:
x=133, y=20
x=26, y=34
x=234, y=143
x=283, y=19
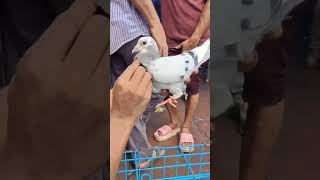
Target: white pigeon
x=171, y=72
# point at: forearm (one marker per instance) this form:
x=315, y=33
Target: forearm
x=204, y=22
x=120, y=130
x=148, y=11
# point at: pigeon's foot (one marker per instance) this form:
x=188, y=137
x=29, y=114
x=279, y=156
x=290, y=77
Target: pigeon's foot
x=170, y=101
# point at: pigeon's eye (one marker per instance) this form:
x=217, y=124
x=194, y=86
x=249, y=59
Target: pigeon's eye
x=144, y=42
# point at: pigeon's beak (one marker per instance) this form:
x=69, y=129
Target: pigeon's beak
x=135, y=49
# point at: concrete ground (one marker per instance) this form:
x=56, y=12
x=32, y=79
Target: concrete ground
x=201, y=133
x=297, y=154
x=200, y=129
x=201, y=121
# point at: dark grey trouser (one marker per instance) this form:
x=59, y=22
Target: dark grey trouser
x=119, y=61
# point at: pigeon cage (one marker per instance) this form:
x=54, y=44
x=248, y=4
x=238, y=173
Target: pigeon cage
x=170, y=163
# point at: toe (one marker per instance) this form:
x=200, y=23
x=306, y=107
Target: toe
x=159, y=133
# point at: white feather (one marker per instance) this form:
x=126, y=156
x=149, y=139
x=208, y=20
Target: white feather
x=170, y=72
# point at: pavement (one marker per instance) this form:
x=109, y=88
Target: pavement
x=201, y=134
x=200, y=130
x=201, y=120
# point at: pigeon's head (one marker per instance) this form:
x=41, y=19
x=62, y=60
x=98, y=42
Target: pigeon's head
x=146, y=47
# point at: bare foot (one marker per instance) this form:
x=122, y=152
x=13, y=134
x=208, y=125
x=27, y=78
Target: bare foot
x=172, y=125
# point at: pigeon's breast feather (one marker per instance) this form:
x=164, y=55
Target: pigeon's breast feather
x=168, y=69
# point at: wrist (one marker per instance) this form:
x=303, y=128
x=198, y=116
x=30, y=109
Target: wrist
x=196, y=37
x=119, y=118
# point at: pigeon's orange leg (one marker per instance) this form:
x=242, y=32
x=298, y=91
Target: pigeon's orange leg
x=170, y=101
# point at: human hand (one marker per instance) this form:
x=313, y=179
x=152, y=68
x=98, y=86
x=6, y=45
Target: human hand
x=56, y=102
x=131, y=93
x=159, y=35
x=188, y=44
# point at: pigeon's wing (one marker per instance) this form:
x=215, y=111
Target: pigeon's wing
x=169, y=69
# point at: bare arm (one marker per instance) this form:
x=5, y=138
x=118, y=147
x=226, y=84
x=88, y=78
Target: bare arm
x=204, y=22
x=119, y=134
x=129, y=99
x=146, y=8
x=148, y=11
x=202, y=27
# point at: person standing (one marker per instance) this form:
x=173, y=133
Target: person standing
x=130, y=20
x=186, y=24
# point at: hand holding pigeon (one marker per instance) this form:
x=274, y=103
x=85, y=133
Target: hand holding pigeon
x=171, y=72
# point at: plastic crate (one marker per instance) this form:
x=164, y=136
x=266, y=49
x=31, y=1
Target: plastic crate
x=173, y=164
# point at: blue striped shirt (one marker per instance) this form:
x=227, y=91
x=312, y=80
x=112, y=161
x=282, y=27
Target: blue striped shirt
x=126, y=24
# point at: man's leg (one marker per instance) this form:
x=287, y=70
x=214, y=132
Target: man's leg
x=174, y=117
x=192, y=102
x=190, y=107
x=264, y=91
x=173, y=112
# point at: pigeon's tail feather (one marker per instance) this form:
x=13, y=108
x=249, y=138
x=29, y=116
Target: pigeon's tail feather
x=202, y=53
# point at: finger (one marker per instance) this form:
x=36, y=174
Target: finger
x=59, y=37
x=148, y=91
x=137, y=77
x=145, y=82
x=161, y=52
x=165, y=51
x=179, y=46
x=128, y=73
x=88, y=49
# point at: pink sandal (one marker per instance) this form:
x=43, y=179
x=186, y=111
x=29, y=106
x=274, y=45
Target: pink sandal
x=166, y=132
x=186, y=138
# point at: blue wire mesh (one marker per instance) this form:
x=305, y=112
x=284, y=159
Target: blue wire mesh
x=173, y=163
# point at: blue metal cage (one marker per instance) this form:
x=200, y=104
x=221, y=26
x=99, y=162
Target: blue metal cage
x=172, y=164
